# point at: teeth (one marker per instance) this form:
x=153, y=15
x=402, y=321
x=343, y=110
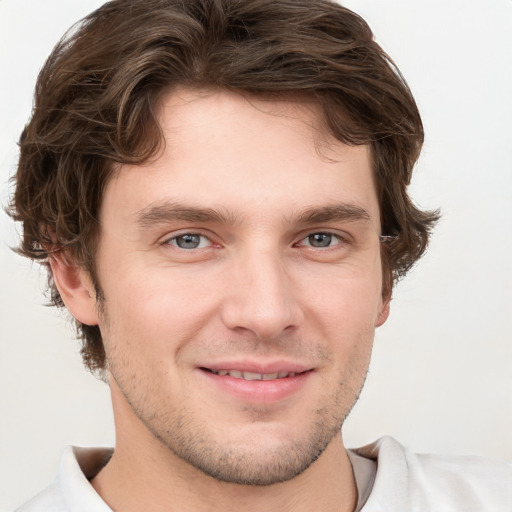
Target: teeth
x=252, y=376
x=237, y=374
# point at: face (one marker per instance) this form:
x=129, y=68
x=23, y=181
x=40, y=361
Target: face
x=242, y=280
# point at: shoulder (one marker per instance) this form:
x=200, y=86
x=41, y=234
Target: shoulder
x=49, y=500
x=71, y=491
x=416, y=482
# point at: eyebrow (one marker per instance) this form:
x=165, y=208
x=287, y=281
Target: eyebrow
x=333, y=213
x=172, y=212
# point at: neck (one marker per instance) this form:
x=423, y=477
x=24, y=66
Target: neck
x=136, y=480
x=143, y=474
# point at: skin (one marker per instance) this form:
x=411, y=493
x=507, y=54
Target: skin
x=249, y=183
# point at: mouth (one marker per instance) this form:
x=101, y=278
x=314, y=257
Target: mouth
x=246, y=375
x=257, y=385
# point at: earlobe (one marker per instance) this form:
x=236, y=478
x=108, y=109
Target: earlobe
x=383, y=313
x=75, y=287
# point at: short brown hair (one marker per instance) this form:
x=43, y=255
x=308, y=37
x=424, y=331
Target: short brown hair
x=95, y=106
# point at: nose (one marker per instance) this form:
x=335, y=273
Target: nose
x=261, y=298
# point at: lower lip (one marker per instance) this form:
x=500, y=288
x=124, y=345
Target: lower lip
x=258, y=391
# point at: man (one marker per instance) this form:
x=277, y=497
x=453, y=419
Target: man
x=219, y=189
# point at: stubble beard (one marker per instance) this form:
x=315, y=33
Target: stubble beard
x=252, y=466
x=247, y=464
x=188, y=437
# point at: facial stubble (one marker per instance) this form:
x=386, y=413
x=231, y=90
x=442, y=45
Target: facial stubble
x=190, y=439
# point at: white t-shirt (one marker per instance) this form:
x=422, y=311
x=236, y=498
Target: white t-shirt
x=389, y=479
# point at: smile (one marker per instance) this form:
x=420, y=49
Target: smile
x=238, y=374
x=269, y=383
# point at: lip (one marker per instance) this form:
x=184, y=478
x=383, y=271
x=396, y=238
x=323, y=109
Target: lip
x=257, y=367
x=257, y=391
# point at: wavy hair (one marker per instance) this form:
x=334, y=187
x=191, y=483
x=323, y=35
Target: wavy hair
x=95, y=104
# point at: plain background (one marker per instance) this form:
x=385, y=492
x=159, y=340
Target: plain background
x=441, y=378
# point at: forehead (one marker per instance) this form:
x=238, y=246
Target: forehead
x=264, y=121
x=241, y=153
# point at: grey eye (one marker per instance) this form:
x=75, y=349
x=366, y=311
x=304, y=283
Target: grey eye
x=188, y=241
x=320, y=239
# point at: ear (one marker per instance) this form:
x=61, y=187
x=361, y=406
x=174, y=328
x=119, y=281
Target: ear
x=75, y=288
x=383, y=312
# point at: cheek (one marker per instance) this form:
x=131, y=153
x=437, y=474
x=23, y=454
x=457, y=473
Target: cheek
x=155, y=308
x=345, y=302
x=346, y=314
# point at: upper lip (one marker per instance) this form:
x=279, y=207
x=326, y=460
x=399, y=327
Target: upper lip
x=258, y=367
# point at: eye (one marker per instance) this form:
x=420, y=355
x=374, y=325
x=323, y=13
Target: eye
x=321, y=240
x=189, y=241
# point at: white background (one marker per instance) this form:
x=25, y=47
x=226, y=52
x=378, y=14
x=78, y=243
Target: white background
x=441, y=378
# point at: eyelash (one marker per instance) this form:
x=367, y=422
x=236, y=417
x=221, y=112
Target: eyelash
x=169, y=241
x=340, y=240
